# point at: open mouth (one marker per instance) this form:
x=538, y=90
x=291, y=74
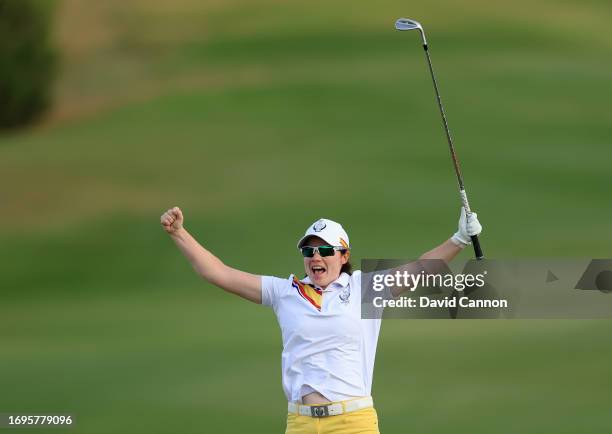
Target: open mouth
x=318, y=270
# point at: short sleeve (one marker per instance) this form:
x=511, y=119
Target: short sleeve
x=271, y=288
x=369, y=308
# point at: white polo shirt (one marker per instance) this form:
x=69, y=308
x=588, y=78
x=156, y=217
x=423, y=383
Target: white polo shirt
x=326, y=348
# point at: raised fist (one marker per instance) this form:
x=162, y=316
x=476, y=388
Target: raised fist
x=172, y=220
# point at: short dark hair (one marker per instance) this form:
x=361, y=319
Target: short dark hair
x=347, y=268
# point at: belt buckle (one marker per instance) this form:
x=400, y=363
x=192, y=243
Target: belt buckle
x=319, y=411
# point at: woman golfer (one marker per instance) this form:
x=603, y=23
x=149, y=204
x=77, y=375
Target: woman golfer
x=328, y=350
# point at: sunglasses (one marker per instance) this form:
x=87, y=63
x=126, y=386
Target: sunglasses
x=309, y=252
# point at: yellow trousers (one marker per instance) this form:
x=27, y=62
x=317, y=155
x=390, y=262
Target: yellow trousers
x=363, y=421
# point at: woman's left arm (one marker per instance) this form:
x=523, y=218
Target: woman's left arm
x=468, y=226
x=445, y=251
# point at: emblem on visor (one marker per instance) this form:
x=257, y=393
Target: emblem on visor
x=319, y=226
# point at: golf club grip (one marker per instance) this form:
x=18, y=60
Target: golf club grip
x=477, y=248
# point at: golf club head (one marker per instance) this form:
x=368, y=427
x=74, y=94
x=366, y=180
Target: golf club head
x=404, y=24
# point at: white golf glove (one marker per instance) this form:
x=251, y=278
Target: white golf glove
x=468, y=226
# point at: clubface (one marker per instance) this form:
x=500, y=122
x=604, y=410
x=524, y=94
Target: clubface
x=407, y=24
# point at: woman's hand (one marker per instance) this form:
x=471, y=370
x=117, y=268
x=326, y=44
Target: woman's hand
x=468, y=226
x=172, y=220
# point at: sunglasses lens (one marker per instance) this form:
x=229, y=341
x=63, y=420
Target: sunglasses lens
x=326, y=251
x=307, y=252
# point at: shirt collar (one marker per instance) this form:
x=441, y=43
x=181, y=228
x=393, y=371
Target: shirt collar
x=342, y=281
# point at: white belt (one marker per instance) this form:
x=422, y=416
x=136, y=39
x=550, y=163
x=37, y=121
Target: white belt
x=332, y=409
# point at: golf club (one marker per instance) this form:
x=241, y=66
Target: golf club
x=404, y=24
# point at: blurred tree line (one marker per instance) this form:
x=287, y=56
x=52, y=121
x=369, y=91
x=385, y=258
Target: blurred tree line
x=27, y=60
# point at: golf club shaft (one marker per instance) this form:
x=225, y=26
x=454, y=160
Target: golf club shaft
x=475, y=242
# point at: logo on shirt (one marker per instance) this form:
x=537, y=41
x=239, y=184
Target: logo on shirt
x=319, y=226
x=345, y=295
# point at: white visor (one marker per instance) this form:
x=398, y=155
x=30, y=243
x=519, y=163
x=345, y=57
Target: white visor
x=329, y=231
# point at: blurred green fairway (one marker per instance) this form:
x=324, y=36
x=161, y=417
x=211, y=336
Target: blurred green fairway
x=256, y=119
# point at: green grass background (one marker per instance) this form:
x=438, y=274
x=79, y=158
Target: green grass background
x=257, y=118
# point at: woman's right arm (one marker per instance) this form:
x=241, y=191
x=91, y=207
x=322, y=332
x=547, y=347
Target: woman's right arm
x=207, y=265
